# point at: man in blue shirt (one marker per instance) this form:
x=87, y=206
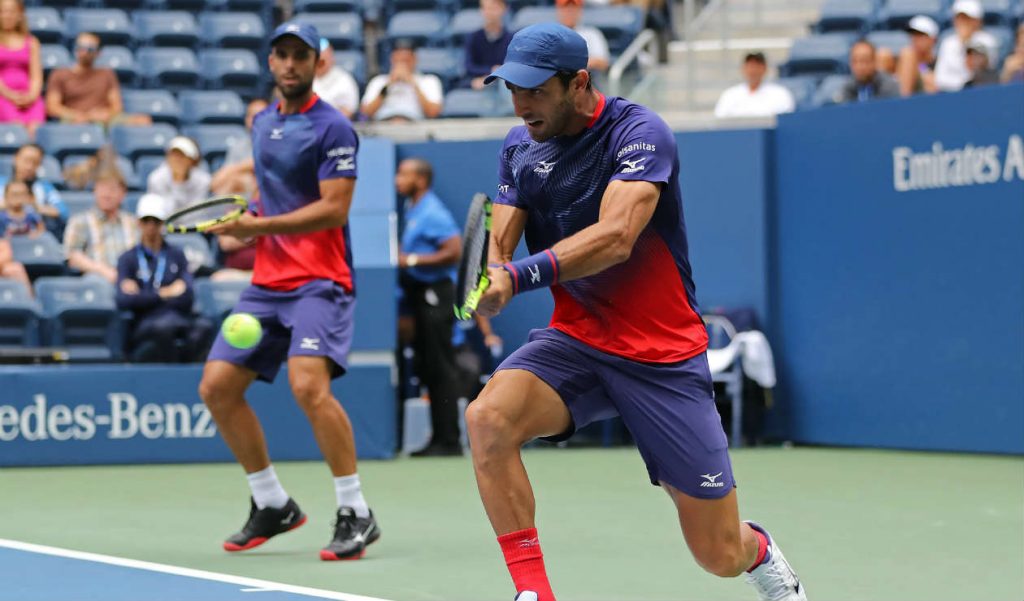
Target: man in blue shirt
x=431, y=248
x=486, y=47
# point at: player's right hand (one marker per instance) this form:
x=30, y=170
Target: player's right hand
x=498, y=292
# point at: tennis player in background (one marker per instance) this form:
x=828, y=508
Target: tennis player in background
x=594, y=184
x=302, y=293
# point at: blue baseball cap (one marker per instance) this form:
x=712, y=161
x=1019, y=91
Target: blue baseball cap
x=538, y=52
x=304, y=31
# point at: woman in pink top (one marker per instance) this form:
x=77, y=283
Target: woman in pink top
x=21, y=69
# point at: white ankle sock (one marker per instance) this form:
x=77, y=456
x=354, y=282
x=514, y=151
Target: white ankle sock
x=266, y=489
x=349, y=494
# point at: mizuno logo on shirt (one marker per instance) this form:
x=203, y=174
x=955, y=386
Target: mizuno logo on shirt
x=710, y=481
x=277, y=133
x=346, y=164
x=634, y=165
x=534, y=273
x=544, y=167
x=310, y=344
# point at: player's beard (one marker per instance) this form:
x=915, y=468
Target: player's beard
x=558, y=122
x=296, y=91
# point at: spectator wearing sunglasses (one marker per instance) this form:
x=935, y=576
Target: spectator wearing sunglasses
x=84, y=93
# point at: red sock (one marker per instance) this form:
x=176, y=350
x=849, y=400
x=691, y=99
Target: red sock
x=526, y=563
x=762, y=548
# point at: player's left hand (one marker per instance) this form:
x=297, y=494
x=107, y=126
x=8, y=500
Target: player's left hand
x=498, y=293
x=246, y=226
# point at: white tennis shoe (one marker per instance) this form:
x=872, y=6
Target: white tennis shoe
x=526, y=596
x=774, y=579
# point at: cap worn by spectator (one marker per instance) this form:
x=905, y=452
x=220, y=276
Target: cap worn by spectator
x=185, y=146
x=971, y=8
x=152, y=205
x=925, y=25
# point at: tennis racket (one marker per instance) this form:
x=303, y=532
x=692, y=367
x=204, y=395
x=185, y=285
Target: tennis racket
x=204, y=215
x=476, y=239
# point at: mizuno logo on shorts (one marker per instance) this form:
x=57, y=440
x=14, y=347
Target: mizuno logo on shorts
x=310, y=344
x=710, y=481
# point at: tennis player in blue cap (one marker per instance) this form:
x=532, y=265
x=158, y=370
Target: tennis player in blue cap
x=594, y=184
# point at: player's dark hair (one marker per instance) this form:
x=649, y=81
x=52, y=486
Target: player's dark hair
x=423, y=169
x=566, y=78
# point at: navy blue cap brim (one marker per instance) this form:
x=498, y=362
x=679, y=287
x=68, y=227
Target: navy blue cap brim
x=524, y=76
x=314, y=47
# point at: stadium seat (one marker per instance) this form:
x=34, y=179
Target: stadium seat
x=354, y=62
x=78, y=201
x=217, y=299
x=893, y=40
x=192, y=6
x=20, y=315
x=45, y=23
x=256, y=6
x=12, y=137
x=61, y=139
x=81, y=314
x=465, y=103
x=446, y=63
x=214, y=140
x=829, y=88
x=131, y=201
x=823, y=54
x=122, y=61
x=165, y=28
x=423, y=27
x=801, y=87
x=231, y=30
x=328, y=6
x=197, y=252
x=54, y=56
x=464, y=23
x=211, y=106
x=111, y=25
x=41, y=256
x=1004, y=37
x=532, y=15
x=49, y=169
x=895, y=14
x=847, y=15
x=125, y=5
x=343, y=30
x=169, y=68
x=235, y=69
x=134, y=142
x=619, y=24
x=146, y=164
x=158, y=104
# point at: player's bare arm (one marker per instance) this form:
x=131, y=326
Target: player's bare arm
x=328, y=212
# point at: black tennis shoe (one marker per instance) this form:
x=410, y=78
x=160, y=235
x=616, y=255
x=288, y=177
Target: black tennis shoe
x=264, y=524
x=351, y=536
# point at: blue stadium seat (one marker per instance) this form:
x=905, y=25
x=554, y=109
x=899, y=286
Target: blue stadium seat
x=1004, y=37
x=895, y=14
x=110, y=24
x=45, y=23
x=165, y=28
x=197, y=252
x=49, y=170
x=818, y=55
x=532, y=15
x=256, y=6
x=20, y=315
x=802, y=87
x=465, y=103
x=446, y=63
x=354, y=62
x=847, y=15
x=829, y=88
x=464, y=23
x=893, y=40
x=235, y=69
x=619, y=24
x=122, y=61
x=328, y=6
x=192, y=6
x=158, y=104
x=146, y=164
x=393, y=7
x=212, y=106
x=61, y=140
x=134, y=142
x=424, y=27
x=214, y=140
x=41, y=256
x=12, y=137
x=216, y=299
x=170, y=68
x=1001, y=12
x=343, y=30
x=78, y=201
x=81, y=314
x=54, y=56
x=125, y=5
x=231, y=30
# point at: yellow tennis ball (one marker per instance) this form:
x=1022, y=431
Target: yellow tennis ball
x=242, y=330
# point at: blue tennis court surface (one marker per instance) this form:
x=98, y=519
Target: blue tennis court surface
x=37, y=573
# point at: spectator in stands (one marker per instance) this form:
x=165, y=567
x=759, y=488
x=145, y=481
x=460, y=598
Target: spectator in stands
x=179, y=179
x=17, y=218
x=951, y=70
x=333, y=84
x=430, y=249
x=1013, y=68
x=570, y=13
x=756, y=97
x=885, y=61
x=21, y=69
x=486, y=47
x=867, y=82
x=154, y=284
x=979, y=62
x=95, y=239
x=403, y=94
x=46, y=200
x=11, y=269
x=916, y=68
x=81, y=175
x=87, y=94
x=237, y=175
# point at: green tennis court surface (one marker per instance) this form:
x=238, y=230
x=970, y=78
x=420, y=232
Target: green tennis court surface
x=857, y=525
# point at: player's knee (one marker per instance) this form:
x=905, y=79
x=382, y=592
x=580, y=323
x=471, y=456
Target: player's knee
x=486, y=423
x=217, y=393
x=310, y=394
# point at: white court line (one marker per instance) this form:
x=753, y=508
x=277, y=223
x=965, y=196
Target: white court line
x=252, y=583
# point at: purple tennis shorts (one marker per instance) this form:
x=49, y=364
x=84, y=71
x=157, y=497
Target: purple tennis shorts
x=314, y=319
x=669, y=408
